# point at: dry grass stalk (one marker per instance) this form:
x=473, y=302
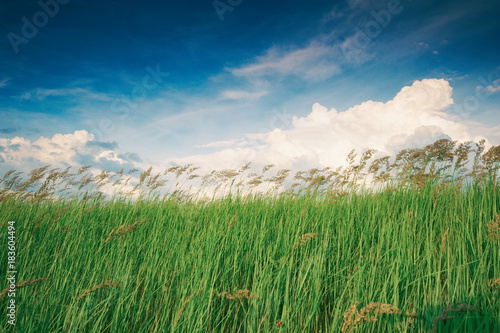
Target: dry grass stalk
x=183, y=307
x=57, y=216
x=22, y=284
x=280, y=177
x=306, y=237
x=369, y=313
x=232, y=220
x=443, y=239
x=237, y=294
x=124, y=229
x=349, y=318
x=390, y=189
x=107, y=284
x=37, y=224
x=494, y=229
x=304, y=211
x=445, y=314
x=336, y=195
x=411, y=314
x=267, y=167
x=494, y=283
x=437, y=193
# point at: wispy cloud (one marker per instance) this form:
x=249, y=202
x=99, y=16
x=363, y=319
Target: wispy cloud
x=4, y=82
x=332, y=15
x=423, y=45
x=41, y=94
x=494, y=88
x=222, y=144
x=242, y=94
x=490, y=89
x=353, y=52
x=314, y=62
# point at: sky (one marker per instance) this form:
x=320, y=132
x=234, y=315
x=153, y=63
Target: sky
x=127, y=84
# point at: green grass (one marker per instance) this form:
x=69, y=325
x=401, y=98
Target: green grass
x=171, y=272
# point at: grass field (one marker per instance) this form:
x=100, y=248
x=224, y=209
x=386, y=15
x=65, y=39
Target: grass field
x=422, y=255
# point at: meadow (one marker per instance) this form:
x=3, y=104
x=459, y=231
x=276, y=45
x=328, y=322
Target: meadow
x=327, y=254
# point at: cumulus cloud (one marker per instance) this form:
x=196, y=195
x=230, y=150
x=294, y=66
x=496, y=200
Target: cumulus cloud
x=62, y=150
x=415, y=117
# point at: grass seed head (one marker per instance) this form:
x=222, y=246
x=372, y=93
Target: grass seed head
x=232, y=220
x=107, y=284
x=22, y=284
x=494, y=229
x=306, y=237
x=124, y=229
x=238, y=294
x=444, y=315
x=495, y=283
x=443, y=239
x=183, y=307
x=369, y=313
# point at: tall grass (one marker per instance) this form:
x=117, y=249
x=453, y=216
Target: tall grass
x=422, y=254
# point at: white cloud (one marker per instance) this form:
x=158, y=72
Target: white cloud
x=60, y=148
x=41, y=94
x=414, y=117
x=490, y=89
x=220, y=144
x=495, y=88
x=4, y=82
x=79, y=148
x=241, y=94
x=355, y=48
x=333, y=15
x=435, y=52
x=314, y=62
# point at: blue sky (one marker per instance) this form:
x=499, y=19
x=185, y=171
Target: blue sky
x=121, y=83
